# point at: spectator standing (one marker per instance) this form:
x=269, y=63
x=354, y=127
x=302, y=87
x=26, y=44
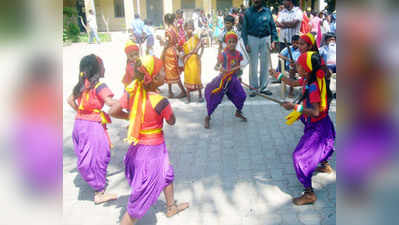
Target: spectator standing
x=149, y=36
x=138, y=29
x=325, y=25
x=333, y=26
x=289, y=20
x=219, y=25
x=259, y=34
x=314, y=23
x=92, y=22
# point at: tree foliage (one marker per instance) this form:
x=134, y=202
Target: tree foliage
x=71, y=29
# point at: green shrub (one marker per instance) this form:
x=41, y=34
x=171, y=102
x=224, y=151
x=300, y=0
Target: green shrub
x=104, y=37
x=71, y=30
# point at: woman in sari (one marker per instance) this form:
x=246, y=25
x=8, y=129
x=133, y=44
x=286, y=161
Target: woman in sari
x=170, y=56
x=192, y=62
x=219, y=26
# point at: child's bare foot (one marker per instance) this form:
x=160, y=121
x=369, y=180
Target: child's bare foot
x=181, y=95
x=157, y=91
x=324, y=168
x=101, y=197
x=207, y=119
x=175, y=209
x=239, y=115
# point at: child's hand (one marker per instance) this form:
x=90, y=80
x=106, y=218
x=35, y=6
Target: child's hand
x=288, y=105
x=273, y=72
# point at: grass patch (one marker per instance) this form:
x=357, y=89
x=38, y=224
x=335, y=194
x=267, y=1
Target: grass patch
x=104, y=37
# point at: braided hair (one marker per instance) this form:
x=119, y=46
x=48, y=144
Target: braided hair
x=89, y=68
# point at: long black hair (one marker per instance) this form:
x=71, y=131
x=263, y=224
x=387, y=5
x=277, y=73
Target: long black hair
x=169, y=18
x=89, y=68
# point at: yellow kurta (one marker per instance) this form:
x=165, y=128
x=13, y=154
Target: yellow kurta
x=192, y=67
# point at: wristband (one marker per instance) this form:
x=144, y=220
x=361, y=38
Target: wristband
x=280, y=76
x=298, y=108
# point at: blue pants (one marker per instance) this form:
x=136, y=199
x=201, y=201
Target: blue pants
x=94, y=35
x=259, y=53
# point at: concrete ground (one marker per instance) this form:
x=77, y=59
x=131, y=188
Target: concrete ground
x=234, y=173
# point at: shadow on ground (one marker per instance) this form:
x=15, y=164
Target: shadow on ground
x=234, y=171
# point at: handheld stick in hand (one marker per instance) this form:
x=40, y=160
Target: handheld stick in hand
x=262, y=95
x=289, y=49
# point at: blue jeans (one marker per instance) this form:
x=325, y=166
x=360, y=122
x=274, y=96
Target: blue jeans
x=94, y=35
x=259, y=52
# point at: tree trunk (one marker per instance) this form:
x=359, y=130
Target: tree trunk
x=106, y=25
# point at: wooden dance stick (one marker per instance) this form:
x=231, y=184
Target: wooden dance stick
x=262, y=95
x=289, y=49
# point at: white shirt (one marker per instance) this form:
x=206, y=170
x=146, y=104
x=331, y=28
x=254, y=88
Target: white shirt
x=195, y=19
x=91, y=21
x=325, y=27
x=288, y=16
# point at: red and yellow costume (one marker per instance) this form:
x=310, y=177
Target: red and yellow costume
x=147, y=165
x=170, y=57
x=315, y=92
x=147, y=109
x=129, y=74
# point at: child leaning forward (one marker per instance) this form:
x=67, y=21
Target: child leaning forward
x=147, y=166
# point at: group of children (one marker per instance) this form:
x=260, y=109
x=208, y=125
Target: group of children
x=147, y=166
x=182, y=52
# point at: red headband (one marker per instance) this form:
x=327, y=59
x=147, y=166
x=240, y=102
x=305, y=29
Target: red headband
x=131, y=47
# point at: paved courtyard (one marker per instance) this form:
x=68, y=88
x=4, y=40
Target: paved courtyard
x=233, y=174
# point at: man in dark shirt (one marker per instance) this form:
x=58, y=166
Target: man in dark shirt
x=258, y=32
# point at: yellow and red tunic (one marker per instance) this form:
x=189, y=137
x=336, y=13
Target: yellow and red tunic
x=157, y=108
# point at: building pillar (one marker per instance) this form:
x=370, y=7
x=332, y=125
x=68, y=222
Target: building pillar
x=138, y=8
x=129, y=13
x=207, y=6
x=167, y=6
